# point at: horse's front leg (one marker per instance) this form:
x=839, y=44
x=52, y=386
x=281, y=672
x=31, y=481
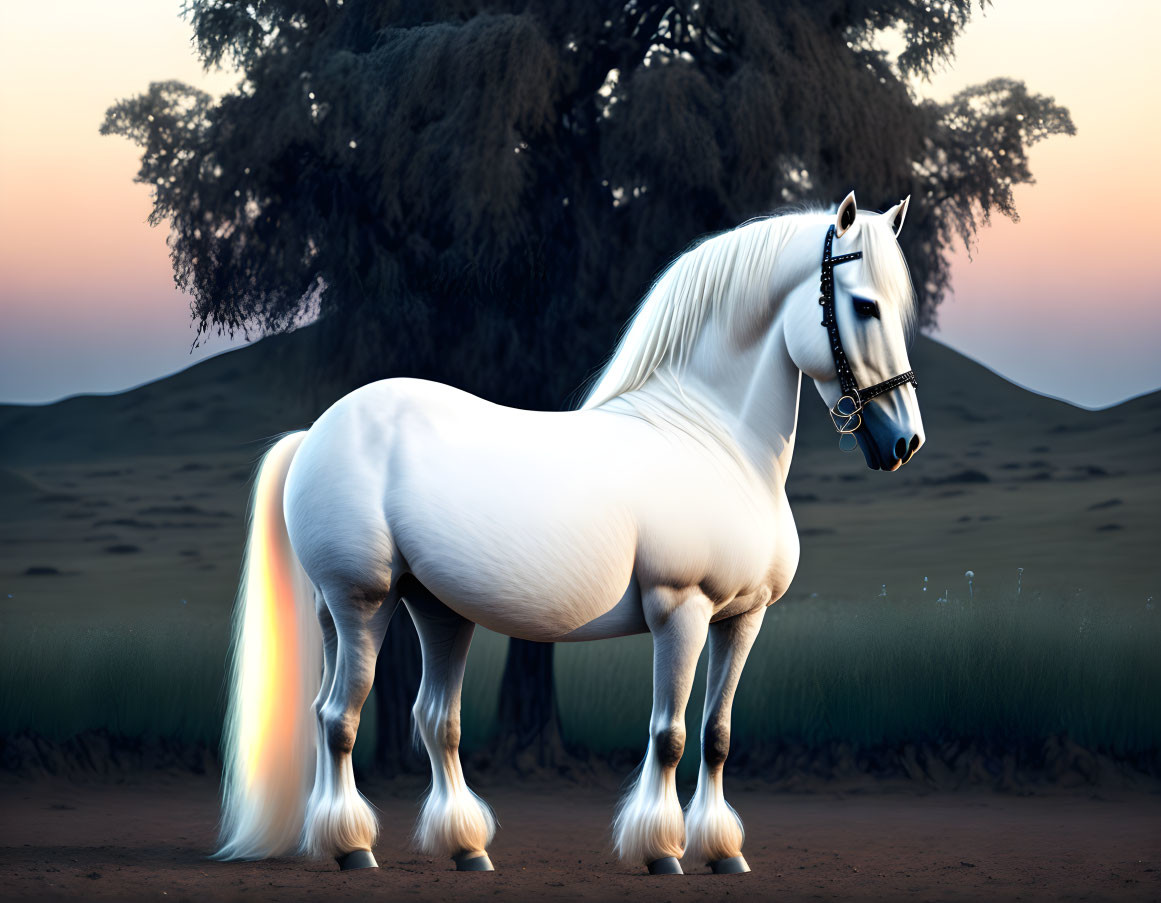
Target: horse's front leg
x=649, y=827
x=714, y=829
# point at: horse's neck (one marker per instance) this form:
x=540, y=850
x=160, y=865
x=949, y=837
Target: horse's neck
x=769, y=403
x=748, y=399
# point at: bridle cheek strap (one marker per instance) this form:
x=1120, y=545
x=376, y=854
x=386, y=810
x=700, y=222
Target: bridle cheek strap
x=847, y=411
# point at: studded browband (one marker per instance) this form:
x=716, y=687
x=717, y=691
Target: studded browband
x=846, y=412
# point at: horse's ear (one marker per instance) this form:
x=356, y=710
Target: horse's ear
x=897, y=214
x=845, y=218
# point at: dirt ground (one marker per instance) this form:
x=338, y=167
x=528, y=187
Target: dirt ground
x=148, y=840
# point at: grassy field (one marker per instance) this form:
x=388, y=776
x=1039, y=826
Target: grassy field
x=167, y=682
x=885, y=672
x=879, y=672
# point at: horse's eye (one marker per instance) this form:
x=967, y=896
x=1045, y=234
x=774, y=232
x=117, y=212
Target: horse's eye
x=865, y=308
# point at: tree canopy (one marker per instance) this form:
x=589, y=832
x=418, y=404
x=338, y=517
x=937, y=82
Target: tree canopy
x=481, y=191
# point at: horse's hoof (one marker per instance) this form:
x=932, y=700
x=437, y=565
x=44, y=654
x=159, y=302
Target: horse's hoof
x=357, y=859
x=735, y=865
x=473, y=862
x=665, y=866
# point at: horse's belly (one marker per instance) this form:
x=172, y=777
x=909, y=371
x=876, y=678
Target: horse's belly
x=538, y=580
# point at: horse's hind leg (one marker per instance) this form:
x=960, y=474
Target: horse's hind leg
x=339, y=822
x=330, y=651
x=649, y=827
x=713, y=827
x=454, y=822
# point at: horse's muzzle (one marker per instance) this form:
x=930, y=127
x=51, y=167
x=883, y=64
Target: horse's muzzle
x=885, y=445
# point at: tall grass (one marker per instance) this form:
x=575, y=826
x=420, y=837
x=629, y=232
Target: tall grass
x=886, y=672
x=162, y=680
x=883, y=671
x=166, y=681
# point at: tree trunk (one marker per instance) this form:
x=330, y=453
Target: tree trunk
x=528, y=717
x=397, y=674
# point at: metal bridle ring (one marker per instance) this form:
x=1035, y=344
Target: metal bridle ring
x=844, y=422
x=856, y=405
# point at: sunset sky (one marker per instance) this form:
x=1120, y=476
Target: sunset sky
x=1065, y=302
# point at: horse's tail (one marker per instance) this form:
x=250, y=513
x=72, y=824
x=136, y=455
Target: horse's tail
x=269, y=739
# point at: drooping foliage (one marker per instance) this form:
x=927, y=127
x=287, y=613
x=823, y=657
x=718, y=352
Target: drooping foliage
x=481, y=191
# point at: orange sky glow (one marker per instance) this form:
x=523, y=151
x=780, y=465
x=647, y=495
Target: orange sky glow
x=1064, y=302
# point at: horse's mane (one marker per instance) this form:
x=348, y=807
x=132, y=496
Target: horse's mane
x=727, y=274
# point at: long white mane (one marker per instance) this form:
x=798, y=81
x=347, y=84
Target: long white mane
x=728, y=275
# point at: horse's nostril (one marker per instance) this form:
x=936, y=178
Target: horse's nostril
x=900, y=448
x=911, y=448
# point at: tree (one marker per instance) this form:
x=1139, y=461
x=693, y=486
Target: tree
x=479, y=192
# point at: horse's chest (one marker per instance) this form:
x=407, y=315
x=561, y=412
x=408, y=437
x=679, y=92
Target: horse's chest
x=721, y=536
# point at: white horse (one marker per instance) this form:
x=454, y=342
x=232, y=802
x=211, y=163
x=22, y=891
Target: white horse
x=658, y=506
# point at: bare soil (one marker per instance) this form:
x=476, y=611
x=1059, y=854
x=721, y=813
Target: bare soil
x=148, y=839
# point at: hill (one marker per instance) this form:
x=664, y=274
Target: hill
x=126, y=506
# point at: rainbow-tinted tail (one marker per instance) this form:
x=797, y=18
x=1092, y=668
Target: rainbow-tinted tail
x=269, y=739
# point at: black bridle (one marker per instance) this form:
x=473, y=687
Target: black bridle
x=847, y=411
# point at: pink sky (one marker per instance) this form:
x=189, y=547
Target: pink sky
x=1065, y=302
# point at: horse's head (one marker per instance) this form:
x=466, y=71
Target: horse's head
x=849, y=336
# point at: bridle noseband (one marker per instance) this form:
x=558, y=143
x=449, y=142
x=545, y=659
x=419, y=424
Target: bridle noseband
x=847, y=411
